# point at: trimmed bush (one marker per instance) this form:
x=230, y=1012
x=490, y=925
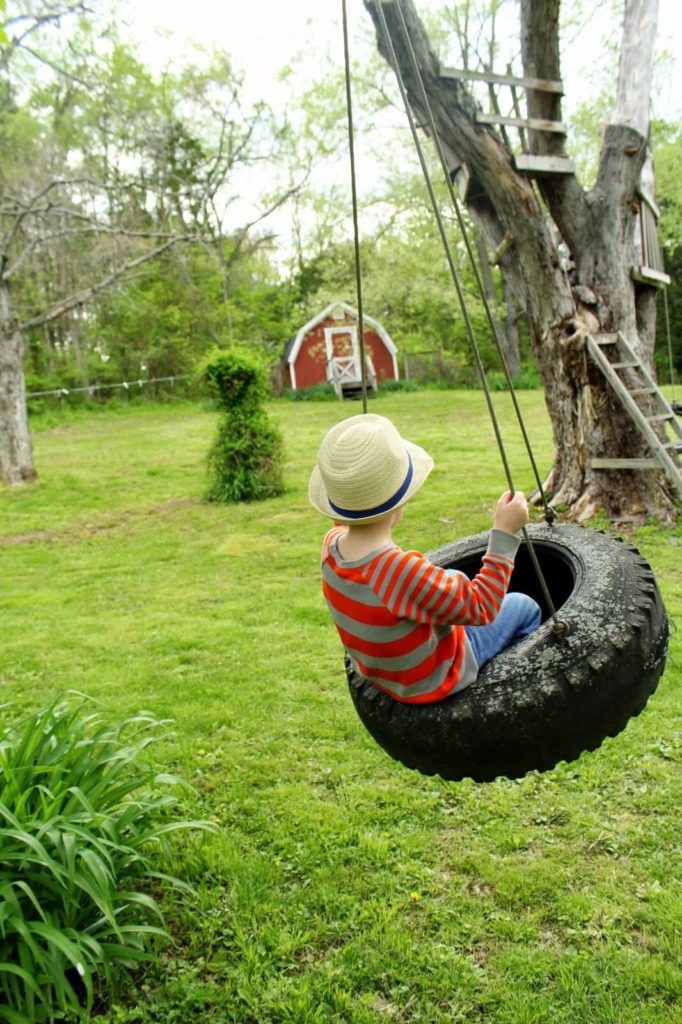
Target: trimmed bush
x=245, y=460
x=83, y=821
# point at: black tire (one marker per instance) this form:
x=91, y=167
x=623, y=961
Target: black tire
x=541, y=701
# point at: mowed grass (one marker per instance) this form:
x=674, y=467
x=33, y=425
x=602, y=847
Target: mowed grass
x=339, y=886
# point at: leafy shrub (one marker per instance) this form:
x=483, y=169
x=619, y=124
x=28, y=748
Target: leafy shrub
x=245, y=460
x=388, y=386
x=234, y=379
x=527, y=380
x=322, y=392
x=81, y=814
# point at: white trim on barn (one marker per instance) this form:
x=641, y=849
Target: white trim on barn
x=335, y=309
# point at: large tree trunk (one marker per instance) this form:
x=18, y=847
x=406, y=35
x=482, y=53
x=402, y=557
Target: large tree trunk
x=597, y=227
x=16, y=454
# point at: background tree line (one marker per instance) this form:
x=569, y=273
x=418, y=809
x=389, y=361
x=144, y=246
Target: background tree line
x=123, y=248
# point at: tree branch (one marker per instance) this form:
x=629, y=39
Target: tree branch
x=94, y=229
x=37, y=21
x=83, y=296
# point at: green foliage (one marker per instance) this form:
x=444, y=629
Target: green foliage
x=234, y=378
x=82, y=819
x=245, y=460
x=320, y=392
x=666, y=142
x=387, y=387
x=527, y=380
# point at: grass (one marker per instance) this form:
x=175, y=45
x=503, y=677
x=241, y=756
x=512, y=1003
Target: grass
x=340, y=887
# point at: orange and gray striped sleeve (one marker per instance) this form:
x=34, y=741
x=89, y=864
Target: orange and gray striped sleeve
x=412, y=587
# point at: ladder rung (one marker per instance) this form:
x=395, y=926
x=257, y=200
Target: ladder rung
x=625, y=464
x=606, y=339
x=643, y=391
x=624, y=366
x=663, y=416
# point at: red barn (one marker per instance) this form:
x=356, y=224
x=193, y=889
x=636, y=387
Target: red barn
x=327, y=349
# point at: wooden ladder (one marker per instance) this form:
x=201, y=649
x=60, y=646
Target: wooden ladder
x=664, y=453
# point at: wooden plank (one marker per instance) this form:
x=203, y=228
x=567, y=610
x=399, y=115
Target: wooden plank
x=647, y=275
x=541, y=84
x=531, y=164
x=533, y=123
x=626, y=464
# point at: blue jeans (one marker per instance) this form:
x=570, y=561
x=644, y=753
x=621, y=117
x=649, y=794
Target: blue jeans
x=518, y=616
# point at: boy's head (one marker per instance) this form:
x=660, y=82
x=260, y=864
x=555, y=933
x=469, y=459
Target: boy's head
x=365, y=470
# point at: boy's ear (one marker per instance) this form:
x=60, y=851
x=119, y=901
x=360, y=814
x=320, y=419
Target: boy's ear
x=397, y=515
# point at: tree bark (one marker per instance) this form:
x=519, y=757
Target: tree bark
x=509, y=341
x=511, y=325
x=597, y=227
x=16, y=452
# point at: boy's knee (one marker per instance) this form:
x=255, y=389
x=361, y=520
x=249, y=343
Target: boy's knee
x=526, y=608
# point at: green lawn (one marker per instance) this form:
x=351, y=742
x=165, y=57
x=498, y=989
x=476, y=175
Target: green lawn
x=339, y=886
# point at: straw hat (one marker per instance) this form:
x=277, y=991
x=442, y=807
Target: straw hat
x=366, y=469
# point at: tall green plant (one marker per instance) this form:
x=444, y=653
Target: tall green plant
x=83, y=820
x=245, y=461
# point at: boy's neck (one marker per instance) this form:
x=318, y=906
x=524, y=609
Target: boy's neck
x=362, y=540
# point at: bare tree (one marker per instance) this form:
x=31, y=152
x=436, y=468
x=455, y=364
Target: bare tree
x=570, y=271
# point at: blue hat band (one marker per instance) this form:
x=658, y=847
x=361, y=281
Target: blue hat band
x=349, y=513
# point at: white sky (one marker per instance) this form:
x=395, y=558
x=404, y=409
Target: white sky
x=264, y=35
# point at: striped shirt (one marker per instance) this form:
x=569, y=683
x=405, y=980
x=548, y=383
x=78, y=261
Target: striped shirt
x=401, y=618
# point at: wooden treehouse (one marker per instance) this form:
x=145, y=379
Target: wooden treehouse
x=647, y=408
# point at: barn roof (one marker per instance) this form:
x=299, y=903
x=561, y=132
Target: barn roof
x=293, y=346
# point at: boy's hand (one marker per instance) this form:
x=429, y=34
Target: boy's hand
x=511, y=512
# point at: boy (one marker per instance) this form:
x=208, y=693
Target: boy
x=414, y=630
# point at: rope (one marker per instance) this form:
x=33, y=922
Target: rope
x=559, y=627
x=356, y=234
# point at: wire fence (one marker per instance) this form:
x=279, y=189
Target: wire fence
x=125, y=385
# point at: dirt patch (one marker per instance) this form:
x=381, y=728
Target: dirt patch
x=26, y=538
x=90, y=528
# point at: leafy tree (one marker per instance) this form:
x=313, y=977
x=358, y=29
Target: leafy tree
x=109, y=169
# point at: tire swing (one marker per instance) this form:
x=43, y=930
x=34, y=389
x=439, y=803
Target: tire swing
x=545, y=699
x=575, y=681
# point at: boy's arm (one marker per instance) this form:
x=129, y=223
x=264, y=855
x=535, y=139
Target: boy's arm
x=412, y=587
